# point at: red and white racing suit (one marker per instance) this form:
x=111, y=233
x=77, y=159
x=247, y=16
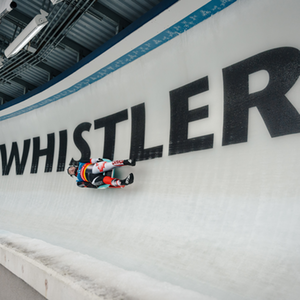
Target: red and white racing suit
x=90, y=174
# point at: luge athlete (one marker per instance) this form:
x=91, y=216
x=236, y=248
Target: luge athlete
x=91, y=173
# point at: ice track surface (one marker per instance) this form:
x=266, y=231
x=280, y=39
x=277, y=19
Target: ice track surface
x=214, y=212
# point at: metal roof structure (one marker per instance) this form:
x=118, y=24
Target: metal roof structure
x=75, y=29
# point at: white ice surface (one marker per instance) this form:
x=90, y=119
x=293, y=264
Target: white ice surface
x=98, y=279
x=222, y=223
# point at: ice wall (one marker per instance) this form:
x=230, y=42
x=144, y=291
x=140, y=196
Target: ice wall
x=209, y=107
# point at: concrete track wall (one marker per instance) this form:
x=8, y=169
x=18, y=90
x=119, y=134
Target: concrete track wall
x=209, y=105
x=12, y=288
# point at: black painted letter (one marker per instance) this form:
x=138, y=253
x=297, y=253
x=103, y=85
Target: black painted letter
x=14, y=154
x=279, y=115
x=37, y=152
x=181, y=116
x=63, y=141
x=137, y=150
x=80, y=143
x=109, y=123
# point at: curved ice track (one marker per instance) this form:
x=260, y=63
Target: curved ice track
x=209, y=105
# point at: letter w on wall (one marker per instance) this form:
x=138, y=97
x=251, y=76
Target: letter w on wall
x=14, y=154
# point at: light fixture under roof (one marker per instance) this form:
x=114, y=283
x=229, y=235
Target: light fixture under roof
x=55, y=1
x=28, y=33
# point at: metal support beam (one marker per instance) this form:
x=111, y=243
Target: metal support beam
x=24, y=83
x=106, y=12
x=75, y=46
x=5, y=97
x=54, y=72
x=18, y=18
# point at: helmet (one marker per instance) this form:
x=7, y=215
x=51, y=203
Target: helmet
x=70, y=166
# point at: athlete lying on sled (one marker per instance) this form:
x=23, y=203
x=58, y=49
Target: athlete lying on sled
x=98, y=173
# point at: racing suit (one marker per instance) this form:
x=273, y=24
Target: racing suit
x=95, y=172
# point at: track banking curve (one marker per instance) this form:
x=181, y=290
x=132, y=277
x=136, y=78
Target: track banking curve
x=206, y=97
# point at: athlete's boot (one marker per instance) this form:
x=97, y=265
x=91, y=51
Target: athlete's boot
x=128, y=180
x=129, y=162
